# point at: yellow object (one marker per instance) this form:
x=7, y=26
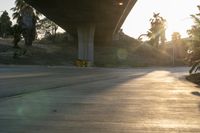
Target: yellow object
x=81, y=63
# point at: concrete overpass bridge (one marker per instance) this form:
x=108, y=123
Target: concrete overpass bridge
x=90, y=20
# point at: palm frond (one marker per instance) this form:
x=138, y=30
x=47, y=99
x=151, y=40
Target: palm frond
x=16, y=15
x=196, y=19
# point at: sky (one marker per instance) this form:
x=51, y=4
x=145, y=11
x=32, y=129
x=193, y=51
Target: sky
x=176, y=12
x=6, y=5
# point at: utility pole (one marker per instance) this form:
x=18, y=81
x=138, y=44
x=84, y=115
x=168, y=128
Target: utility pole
x=173, y=55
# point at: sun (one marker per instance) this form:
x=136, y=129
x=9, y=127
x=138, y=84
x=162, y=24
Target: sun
x=176, y=12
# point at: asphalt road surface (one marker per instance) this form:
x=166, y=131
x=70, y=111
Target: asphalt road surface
x=36, y=99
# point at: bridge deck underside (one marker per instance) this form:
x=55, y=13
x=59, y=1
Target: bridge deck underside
x=69, y=14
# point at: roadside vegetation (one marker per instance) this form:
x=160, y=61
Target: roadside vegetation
x=60, y=50
x=194, y=50
x=53, y=48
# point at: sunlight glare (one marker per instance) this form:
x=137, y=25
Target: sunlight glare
x=176, y=12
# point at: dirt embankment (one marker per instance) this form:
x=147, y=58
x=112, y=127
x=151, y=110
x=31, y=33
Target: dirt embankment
x=126, y=53
x=38, y=54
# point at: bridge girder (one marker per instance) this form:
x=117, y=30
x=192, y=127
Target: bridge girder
x=107, y=15
x=89, y=20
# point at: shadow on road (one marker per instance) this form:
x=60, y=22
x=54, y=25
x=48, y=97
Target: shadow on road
x=196, y=93
x=199, y=106
x=89, y=100
x=70, y=105
x=197, y=86
x=32, y=81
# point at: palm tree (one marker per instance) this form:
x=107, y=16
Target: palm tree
x=194, y=32
x=156, y=33
x=19, y=5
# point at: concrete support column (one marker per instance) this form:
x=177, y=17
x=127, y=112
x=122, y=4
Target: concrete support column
x=86, y=42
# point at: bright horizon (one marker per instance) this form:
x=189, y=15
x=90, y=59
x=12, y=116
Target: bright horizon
x=176, y=12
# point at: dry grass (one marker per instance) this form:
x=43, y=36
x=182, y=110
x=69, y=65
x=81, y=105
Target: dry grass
x=124, y=53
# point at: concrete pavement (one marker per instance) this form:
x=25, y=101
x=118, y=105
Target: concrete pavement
x=97, y=100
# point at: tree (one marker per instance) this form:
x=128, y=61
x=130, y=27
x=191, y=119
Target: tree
x=44, y=26
x=5, y=24
x=47, y=27
x=194, y=34
x=179, y=46
x=19, y=5
x=176, y=37
x=156, y=33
